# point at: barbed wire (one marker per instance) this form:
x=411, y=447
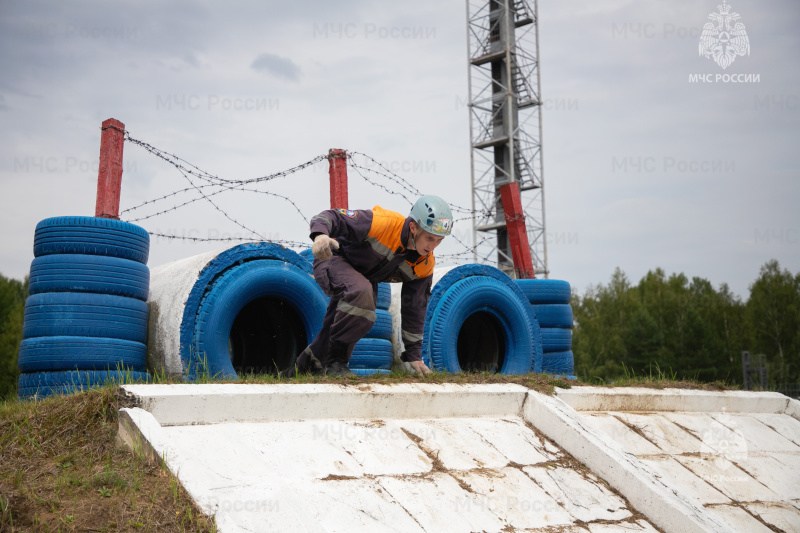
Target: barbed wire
x=218, y=185
x=376, y=175
x=173, y=208
x=285, y=243
x=400, y=181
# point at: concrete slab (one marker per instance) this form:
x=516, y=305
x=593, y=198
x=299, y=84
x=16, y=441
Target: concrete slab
x=684, y=480
x=739, y=519
x=217, y=403
x=424, y=457
x=667, y=436
x=633, y=526
x=782, y=516
x=627, y=399
x=786, y=426
x=726, y=453
x=286, y=458
x=620, y=433
x=583, y=495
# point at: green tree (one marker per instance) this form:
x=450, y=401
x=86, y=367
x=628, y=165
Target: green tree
x=774, y=312
x=599, y=339
x=12, y=309
x=664, y=322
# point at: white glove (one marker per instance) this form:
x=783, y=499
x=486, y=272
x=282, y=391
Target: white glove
x=322, y=247
x=420, y=368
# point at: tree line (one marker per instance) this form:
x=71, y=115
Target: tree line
x=12, y=309
x=687, y=328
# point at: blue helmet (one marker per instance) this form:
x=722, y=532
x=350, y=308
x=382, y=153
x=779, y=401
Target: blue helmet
x=433, y=215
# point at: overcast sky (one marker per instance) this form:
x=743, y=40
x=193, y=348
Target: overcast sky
x=643, y=168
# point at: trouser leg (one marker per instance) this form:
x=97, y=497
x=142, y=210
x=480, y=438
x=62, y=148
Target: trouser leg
x=355, y=295
x=350, y=313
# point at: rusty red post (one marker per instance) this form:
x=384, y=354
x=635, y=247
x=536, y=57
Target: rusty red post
x=109, y=176
x=337, y=168
x=517, y=233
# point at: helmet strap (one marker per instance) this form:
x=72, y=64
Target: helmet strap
x=412, y=244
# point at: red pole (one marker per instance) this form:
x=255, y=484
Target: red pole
x=517, y=234
x=109, y=176
x=337, y=168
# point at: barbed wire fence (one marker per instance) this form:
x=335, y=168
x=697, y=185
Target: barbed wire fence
x=204, y=186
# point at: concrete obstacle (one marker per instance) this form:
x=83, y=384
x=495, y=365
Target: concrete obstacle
x=249, y=308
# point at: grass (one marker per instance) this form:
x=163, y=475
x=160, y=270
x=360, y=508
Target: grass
x=61, y=470
x=661, y=379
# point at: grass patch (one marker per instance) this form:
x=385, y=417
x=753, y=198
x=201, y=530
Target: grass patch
x=60, y=470
x=656, y=378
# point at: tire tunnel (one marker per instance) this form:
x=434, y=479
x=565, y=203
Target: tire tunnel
x=250, y=308
x=479, y=320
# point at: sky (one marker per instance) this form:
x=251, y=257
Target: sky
x=644, y=168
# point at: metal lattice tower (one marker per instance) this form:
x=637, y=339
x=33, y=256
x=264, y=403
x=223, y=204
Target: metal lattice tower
x=505, y=125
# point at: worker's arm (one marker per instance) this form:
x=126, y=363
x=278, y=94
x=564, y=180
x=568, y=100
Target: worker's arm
x=328, y=227
x=413, y=305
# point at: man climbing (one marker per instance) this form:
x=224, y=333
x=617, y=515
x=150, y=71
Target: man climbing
x=353, y=251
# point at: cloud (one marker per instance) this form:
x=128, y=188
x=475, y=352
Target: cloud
x=278, y=66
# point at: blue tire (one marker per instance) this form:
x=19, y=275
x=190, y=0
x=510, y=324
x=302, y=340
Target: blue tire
x=308, y=255
x=384, y=296
x=556, y=339
x=368, y=371
x=382, y=328
x=71, y=314
x=559, y=363
x=81, y=353
x=91, y=236
x=42, y=384
x=545, y=291
x=481, y=295
x=89, y=273
x=372, y=353
x=553, y=315
x=237, y=287
x=509, y=301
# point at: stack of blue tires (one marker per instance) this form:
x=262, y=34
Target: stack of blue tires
x=550, y=299
x=478, y=319
x=86, y=316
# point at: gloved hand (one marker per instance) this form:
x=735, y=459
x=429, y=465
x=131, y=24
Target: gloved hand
x=322, y=247
x=420, y=367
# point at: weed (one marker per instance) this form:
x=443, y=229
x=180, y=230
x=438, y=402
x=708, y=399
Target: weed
x=6, y=518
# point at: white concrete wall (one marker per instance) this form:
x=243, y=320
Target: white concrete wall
x=170, y=285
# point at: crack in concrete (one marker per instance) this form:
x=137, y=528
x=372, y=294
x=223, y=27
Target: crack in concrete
x=769, y=526
x=790, y=439
x=437, y=465
x=687, y=430
x=336, y=477
x=636, y=429
x=394, y=500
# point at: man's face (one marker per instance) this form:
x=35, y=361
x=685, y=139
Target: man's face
x=424, y=242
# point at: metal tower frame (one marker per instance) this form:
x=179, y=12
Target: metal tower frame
x=505, y=127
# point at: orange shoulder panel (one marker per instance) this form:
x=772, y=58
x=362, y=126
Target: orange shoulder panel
x=386, y=227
